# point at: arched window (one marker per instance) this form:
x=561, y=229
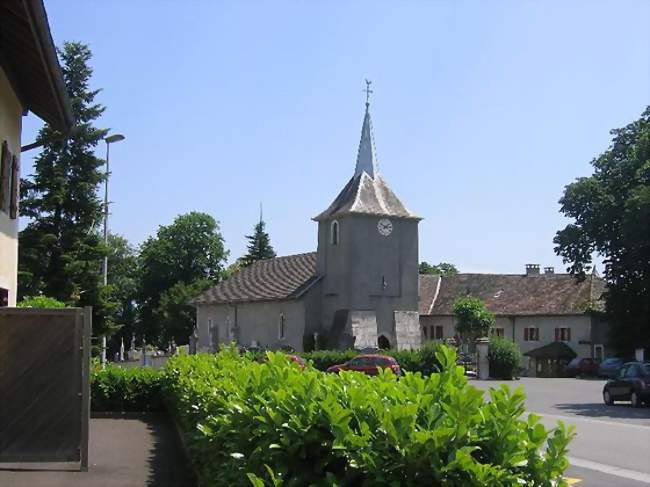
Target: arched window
x=335, y=233
x=281, y=329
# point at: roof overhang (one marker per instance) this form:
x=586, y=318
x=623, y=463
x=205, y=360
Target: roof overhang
x=28, y=56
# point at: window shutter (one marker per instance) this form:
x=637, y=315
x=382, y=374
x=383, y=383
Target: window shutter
x=568, y=334
x=557, y=334
x=5, y=160
x=526, y=334
x=15, y=181
x=536, y=334
x=424, y=329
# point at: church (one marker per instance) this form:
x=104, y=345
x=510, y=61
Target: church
x=361, y=288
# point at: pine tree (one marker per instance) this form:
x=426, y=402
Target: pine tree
x=259, y=246
x=61, y=249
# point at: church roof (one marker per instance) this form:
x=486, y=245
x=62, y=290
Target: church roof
x=266, y=280
x=513, y=294
x=366, y=192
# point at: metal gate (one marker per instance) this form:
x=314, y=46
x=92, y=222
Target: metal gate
x=44, y=385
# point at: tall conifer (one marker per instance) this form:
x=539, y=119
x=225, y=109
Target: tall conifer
x=259, y=245
x=61, y=249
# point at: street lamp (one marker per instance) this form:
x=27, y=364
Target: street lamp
x=109, y=140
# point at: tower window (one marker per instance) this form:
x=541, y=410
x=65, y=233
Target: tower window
x=335, y=233
x=281, y=327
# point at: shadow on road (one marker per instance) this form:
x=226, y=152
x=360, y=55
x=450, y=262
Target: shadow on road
x=168, y=465
x=599, y=410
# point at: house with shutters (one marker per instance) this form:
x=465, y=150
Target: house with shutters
x=361, y=288
x=553, y=317
x=30, y=80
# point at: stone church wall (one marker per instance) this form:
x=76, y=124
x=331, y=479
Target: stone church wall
x=249, y=324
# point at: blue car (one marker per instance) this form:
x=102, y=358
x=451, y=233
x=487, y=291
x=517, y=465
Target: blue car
x=609, y=367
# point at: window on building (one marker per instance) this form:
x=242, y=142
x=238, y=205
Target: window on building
x=563, y=334
x=438, y=332
x=531, y=334
x=424, y=330
x=4, y=297
x=281, y=327
x=335, y=233
x=498, y=332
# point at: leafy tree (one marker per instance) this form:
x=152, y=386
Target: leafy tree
x=174, y=315
x=40, y=302
x=259, y=246
x=473, y=320
x=232, y=269
x=60, y=252
x=442, y=269
x=611, y=213
x=189, y=250
x=123, y=286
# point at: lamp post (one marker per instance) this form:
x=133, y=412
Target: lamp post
x=109, y=140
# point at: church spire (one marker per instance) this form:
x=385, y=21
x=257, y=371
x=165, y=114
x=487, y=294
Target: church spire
x=366, y=157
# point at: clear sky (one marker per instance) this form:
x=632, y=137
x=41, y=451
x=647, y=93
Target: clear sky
x=483, y=111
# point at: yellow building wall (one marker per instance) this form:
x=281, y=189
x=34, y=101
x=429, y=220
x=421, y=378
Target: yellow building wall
x=10, y=127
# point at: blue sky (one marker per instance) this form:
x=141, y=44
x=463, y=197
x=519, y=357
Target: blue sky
x=482, y=112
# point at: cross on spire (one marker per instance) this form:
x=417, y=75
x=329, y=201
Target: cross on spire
x=368, y=92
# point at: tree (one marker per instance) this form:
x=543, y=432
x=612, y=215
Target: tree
x=189, y=250
x=60, y=250
x=442, y=269
x=611, y=213
x=473, y=320
x=123, y=285
x=259, y=246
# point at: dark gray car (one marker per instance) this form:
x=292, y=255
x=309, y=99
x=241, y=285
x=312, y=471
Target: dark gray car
x=632, y=384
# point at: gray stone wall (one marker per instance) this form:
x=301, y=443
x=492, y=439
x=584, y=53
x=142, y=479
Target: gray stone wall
x=367, y=271
x=252, y=323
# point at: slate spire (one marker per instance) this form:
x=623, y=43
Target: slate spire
x=366, y=157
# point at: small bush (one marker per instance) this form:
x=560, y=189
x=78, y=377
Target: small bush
x=40, y=302
x=322, y=359
x=136, y=389
x=272, y=423
x=504, y=357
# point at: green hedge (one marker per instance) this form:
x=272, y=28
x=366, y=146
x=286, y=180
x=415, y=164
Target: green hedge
x=272, y=423
x=136, y=389
x=504, y=357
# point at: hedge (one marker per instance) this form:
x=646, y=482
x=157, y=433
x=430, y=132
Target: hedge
x=504, y=357
x=272, y=423
x=136, y=389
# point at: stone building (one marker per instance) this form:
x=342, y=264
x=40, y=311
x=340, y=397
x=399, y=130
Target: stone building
x=534, y=310
x=361, y=288
x=30, y=80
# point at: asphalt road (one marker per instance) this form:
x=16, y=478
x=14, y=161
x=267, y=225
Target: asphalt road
x=612, y=446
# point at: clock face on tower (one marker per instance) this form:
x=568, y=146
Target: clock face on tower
x=385, y=227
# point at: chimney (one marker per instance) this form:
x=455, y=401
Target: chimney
x=549, y=271
x=532, y=269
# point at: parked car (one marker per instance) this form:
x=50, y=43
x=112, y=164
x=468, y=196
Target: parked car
x=297, y=360
x=609, y=367
x=368, y=364
x=582, y=366
x=632, y=384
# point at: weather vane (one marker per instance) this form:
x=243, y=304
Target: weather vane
x=368, y=91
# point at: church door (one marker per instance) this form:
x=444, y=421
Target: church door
x=383, y=343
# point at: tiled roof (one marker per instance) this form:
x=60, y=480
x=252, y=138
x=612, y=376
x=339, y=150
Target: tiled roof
x=273, y=279
x=515, y=294
x=429, y=286
x=366, y=195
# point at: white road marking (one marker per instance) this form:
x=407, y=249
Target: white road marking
x=590, y=420
x=610, y=470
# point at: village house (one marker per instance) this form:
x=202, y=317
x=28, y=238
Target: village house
x=30, y=80
x=361, y=289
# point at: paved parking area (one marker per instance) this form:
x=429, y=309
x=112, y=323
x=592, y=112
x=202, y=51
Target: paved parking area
x=612, y=446
x=133, y=452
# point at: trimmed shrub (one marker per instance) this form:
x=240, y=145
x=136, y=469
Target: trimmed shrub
x=40, y=302
x=504, y=357
x=322, y=359
x=273, y=423
x=135, y=389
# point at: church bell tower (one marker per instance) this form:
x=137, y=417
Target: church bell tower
x=368, y=259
